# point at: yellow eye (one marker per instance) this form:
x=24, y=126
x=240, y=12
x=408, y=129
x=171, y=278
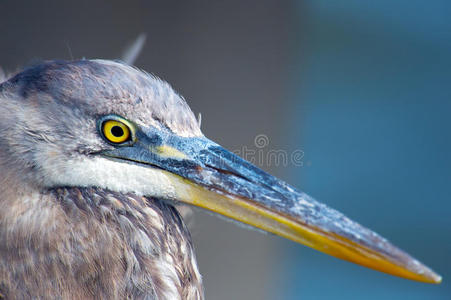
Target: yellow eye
x=115, y=131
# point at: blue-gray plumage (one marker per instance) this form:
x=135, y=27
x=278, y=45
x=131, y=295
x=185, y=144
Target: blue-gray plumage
x=61, y=237
x=94, y=155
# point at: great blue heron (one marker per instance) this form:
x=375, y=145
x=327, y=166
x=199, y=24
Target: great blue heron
x=93, y=156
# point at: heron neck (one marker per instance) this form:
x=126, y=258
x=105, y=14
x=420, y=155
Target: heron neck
x=90, y=238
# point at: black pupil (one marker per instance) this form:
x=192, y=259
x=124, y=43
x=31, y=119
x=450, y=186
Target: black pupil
x=117, y=131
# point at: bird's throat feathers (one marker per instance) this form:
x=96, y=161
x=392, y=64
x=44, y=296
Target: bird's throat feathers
x=42, y=229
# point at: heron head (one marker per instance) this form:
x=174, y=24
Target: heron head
x=105, y=124
x=56, y=117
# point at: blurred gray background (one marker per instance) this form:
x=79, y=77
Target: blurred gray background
x=363, y=90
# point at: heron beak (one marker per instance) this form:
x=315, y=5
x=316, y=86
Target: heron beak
x=206, y=175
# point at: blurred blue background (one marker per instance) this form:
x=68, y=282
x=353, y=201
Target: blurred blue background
x=371, y=108
x=363, y=88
